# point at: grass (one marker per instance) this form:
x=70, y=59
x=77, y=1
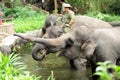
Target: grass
x=29, y=24
x=25, y=18
x=22, y=24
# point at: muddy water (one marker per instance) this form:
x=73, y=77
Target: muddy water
x=59, y=65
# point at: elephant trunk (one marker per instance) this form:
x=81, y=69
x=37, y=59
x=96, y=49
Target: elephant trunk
x=37, y=49
x=57, y=42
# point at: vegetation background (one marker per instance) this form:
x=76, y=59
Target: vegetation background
x=26, y=19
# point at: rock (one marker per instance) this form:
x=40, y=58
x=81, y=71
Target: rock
x=7, y=44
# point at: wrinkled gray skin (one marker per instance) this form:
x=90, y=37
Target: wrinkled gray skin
x=96, y=45
x=90, y=22
x=50, y=20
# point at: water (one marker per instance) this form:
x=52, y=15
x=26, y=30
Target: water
x=59, y=65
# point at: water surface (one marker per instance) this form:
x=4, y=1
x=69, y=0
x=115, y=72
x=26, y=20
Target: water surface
x=59, y=65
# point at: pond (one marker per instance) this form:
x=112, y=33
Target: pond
x=59, y=66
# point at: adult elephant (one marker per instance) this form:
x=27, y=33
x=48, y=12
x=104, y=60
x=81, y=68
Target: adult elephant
x=94, y=44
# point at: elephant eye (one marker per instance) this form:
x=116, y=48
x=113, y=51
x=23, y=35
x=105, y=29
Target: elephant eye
x=59, y=33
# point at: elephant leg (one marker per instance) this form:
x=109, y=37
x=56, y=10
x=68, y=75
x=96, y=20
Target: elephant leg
x=72, y=64
x=80, y=64
x=118, y=61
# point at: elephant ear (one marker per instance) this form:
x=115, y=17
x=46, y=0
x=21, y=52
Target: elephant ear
x=88, y=48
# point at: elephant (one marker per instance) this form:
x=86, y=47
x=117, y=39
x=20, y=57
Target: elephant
x=94, y=45
x=84, y=43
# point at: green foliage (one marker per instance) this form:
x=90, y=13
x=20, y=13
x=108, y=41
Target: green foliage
x=11, y=68
x=20, y=11
x=82, y=5
x=107, y=71
x=115, y=7
x=105, y=17
x=31, y=1
x=29, y=24
x=104, y=6
x=25, y=19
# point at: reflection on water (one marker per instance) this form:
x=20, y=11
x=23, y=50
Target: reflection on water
x=59, y=65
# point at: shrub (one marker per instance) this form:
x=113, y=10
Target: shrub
x=25, y=19
x=20, y=11
x=104, y=6
x=107, y=71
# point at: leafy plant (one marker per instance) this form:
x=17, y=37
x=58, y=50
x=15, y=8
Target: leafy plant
x=11, y=68
x=107, y=71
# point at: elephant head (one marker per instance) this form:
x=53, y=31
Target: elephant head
x=50, y=32
x=53, y=32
